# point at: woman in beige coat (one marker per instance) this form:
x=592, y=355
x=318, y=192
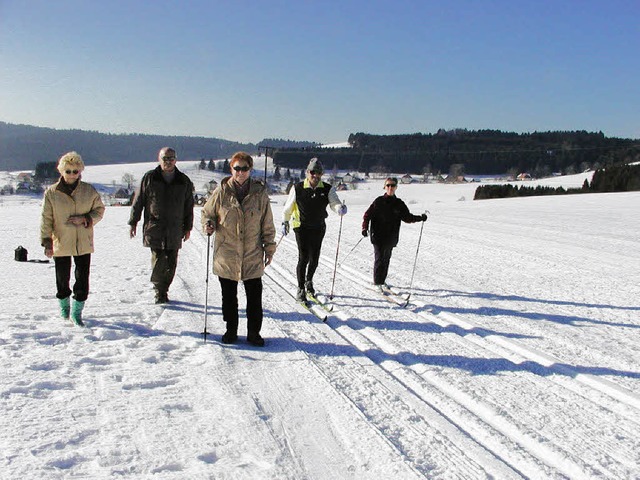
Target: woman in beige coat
x=70, y=210
x=239, y=213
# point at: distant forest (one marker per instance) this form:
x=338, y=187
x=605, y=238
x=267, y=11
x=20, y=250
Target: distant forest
x=24, y=146
x=461, y=151
x=614, y=178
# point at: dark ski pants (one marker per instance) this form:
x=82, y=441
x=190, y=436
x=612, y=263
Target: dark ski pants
x=63, y=276
x=309, y=242
x=381, y=263
x=253, y=290
x=163, y=268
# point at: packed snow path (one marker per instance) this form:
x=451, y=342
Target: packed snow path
x=517, y=357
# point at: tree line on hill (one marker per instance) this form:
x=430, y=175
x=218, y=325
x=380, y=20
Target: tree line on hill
x=22, y=147
x=480, y=152
x=614, y=178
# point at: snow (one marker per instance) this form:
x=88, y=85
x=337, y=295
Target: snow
x=517, y=357
x=337, y=145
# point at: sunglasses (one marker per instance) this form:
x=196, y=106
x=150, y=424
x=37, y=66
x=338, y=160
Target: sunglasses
x=242, y=169
x=69, y=172
x=169, y=159
x=391, y=185
x=315, y=172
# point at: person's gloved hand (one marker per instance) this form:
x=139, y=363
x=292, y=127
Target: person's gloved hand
x=424, y=217
x=342, y=210
x=365, y=232
x=284, y=229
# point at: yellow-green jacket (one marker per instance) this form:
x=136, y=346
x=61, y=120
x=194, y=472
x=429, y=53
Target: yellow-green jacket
x=244, y=233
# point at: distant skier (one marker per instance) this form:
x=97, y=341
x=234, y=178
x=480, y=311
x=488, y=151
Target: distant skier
x=306, y=210
x=385, y=214
x=166, y=196
x=70, y=209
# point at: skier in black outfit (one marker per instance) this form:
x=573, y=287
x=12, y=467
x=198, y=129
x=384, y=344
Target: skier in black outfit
x=306, y=208
x=385, y=214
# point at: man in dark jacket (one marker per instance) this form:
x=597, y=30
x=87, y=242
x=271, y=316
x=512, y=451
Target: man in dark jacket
x=166, y=196
x=385, y=214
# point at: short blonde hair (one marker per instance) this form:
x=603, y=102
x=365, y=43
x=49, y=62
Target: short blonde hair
x=70, y=159
x=241, y=156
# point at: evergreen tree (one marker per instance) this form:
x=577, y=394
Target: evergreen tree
x=46, y=171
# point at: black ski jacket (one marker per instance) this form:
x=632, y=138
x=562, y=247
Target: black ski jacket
x=385, y=214
x=168, y=209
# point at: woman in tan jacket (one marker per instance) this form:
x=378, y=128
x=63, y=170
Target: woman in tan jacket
x=70, y=210
x=239, y=213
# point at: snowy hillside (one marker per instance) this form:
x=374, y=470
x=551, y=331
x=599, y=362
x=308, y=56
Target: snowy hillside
x=517, y=357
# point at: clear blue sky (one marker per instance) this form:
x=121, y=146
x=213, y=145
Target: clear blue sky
x=319, y=70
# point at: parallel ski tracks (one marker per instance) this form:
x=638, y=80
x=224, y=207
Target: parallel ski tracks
x=448, y=425
x=509, y=436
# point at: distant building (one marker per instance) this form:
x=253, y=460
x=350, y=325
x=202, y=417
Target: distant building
x=406, y=179
x=24, y=177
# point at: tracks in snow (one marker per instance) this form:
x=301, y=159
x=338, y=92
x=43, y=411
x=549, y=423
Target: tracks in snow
x=449, y=414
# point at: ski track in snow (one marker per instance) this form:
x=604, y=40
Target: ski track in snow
x=524, y=367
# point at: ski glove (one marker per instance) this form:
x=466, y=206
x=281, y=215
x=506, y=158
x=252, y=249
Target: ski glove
x=424, y=217
x=284, y=229
x=365, y=232
x=342, y=210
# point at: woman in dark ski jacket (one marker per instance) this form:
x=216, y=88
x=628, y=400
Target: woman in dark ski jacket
x=385, y=214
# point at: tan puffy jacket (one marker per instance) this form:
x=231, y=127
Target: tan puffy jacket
x=244, y=233
x=67, y=239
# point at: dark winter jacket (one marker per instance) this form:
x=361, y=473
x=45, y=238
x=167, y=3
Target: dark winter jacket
x=168, y=209
x=385, y=214
x=307, y=207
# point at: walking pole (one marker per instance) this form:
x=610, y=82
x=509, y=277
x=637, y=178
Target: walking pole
x=354, y=247
x=335, y=268
x=415, y=261
x=206, y=291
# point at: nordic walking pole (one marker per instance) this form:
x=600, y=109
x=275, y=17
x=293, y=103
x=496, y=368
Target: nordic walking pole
x=335, y=268
x=415, y=261
x=206, y=290
x=354, y=247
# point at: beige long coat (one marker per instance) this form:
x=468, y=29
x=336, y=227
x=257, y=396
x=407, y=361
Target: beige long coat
x=69, y=240
x=243, y=233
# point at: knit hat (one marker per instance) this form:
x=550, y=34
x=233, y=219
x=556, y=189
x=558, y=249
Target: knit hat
x=315, y=166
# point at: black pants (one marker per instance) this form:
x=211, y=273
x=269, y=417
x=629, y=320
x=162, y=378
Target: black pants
x=163, y=265
x=253, y=290
x=309, y=242
x=381, y=263
x=63, y=276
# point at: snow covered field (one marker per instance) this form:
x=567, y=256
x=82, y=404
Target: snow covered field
x=518, y=356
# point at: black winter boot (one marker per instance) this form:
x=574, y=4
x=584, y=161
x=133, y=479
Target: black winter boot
x=301, y=296
x=308, y=285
